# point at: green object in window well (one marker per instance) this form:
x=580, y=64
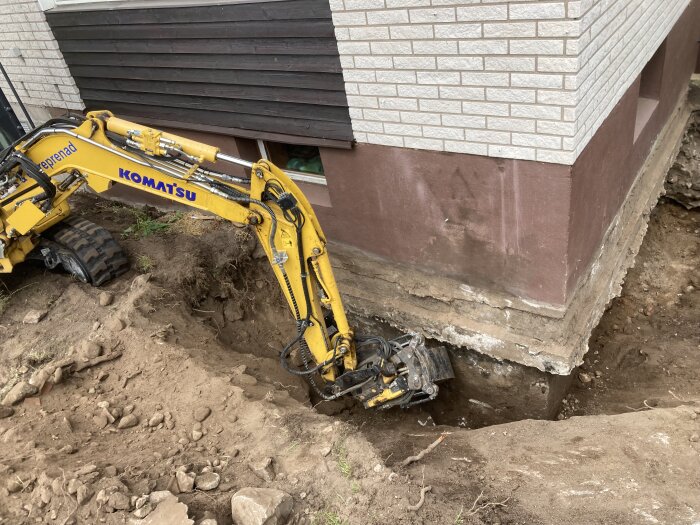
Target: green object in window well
x=312, y=165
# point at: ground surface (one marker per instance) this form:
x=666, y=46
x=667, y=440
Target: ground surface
x=199, y=322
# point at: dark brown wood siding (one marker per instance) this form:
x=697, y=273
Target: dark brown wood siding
x=265, y=67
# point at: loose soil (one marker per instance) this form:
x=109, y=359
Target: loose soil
x=199, y=322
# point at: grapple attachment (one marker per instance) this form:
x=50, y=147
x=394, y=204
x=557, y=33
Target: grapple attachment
x=409, y=374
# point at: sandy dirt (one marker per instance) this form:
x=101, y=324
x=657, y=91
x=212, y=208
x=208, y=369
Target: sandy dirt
x=198, y=324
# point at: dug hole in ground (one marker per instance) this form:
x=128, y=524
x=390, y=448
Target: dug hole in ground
x=159, y=399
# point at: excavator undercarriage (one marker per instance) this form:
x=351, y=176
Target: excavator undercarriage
x=40, y=171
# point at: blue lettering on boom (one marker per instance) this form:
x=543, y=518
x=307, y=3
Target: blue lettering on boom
x=170, y=189
x=57, y=157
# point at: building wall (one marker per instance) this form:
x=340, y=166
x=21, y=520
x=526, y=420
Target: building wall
x=529, y=80
x=618, y=38
x=30, y=54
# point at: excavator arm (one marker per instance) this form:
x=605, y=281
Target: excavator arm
x=44, y=168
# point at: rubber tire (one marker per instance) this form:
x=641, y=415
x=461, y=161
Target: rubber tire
x=93, y=246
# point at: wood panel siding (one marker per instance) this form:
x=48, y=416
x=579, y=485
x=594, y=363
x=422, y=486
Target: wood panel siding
x=265, y=67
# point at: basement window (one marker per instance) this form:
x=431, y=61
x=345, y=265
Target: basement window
x=649, y=90
x=300, y=162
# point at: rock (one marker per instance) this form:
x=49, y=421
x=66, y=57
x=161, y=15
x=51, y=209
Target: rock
x=197, y=435
x=18, y=392
x=156, y=419
x=201, y=413
x=119, y=501
x=128, y=421
x=141, y=501
x=57, y=376
x=85, y=470
x=105, y=299
x=208, y=521
x=207, y=481
x=255, y=506
x=73, y=485
x=14, y=485
x=6, y=411
x=90, y=350
x=128, y=409
x=83, y=494
x=34, y=316
x=585, y=378
x=111, y=471
x=185, y=481
x=695, y=437
x=115, y=324
x=326, y=450
x=39, y=378
x=265, y=470
x=169, y=512
x=159, y=495
x=143, y=511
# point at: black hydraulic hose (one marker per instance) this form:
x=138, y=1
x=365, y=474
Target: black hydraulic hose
x=17, y=97
x=32, y=171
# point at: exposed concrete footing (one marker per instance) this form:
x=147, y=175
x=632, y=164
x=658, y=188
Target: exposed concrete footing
x=508, y=351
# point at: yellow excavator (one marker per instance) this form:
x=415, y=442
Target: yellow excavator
x=41, y=170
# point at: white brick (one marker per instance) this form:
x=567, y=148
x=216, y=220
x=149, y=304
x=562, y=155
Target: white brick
x=417, y=143
x=462, y=93
x=403, y=129
x=511, y=124
x=387, y=17
x=536, y=11
x=481, y=13
x=411, y=32
x=486, y=108
x=461, y=63
x=440, y=106
x=536, y=80
x=420, y=118
x=398, y=103
x=512, y=152
x=510, y=63
x=435, y=47
x=536, y=141
x=438, y=78
x=437, y=132
x=458, y=31
x=536, y=47
x=464, y=121
x=421, y=16
x=483, y=47
x=414, y=62
x=511, y=95
x=383, y=115
x=510, y=29
x=466, y=147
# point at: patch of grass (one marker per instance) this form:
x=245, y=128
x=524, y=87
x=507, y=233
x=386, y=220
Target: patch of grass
x=146, y=225
x=327, y=517
x=38, y=357
x=343, y=462
x=144, y=264
x=355, y=487
x=459, y=519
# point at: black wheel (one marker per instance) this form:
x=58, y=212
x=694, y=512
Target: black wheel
x=83, y=249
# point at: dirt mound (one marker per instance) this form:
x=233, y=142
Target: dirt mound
x=168, y=380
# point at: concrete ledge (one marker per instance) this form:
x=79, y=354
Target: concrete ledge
x=550, y=338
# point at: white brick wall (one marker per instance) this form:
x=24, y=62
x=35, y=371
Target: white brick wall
x=33, y=61
x=525, y=79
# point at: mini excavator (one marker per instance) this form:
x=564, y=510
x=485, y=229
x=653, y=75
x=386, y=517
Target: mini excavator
x=40, y=171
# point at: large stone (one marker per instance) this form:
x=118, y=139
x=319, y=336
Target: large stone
x=185, y=481
x=207, y=481
x=128, y=421
x=256, y=506
x=18, y=392
x=34, y=316
x=6, y=412
x=169, y=512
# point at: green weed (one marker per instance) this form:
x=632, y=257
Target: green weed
x=146, y=225
x=327, y=517
x=144, y=264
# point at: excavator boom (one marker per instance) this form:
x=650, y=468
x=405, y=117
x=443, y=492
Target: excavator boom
x=42, y=170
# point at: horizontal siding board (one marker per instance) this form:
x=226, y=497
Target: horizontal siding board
x=249, y=46
x=262, y=108
x=291, y=10
x=323, y=64
x=286, y=126
x=258, y=93
x=267, y=67
x=311, y=81
x=274, y=28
